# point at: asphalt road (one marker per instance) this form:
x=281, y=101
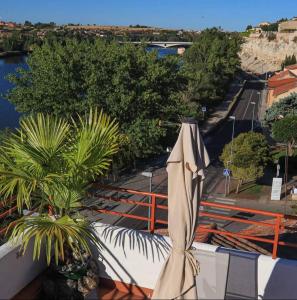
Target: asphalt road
x=243, y=112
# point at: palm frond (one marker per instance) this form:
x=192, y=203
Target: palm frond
x=95, y=141
x=54, y=235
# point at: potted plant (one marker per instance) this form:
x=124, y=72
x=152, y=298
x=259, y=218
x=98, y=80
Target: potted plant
x=48, y=164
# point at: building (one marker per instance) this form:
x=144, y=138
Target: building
x=8, y=24
x=263, y=24
x=288, y=26
x=282, y=84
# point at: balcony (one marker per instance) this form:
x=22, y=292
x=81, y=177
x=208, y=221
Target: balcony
x=130, y=260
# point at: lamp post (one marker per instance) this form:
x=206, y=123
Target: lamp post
x=227, y=180
x=150, y=176
x=254, y=105
x=233, y=130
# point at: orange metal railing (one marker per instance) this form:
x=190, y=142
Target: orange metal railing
x=277, y=225
x=154, y=206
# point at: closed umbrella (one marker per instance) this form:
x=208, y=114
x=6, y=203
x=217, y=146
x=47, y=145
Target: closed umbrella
x=185, y=168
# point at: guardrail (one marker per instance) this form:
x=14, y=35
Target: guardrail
x=153, y=220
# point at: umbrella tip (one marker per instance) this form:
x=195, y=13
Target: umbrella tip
x=189, y=120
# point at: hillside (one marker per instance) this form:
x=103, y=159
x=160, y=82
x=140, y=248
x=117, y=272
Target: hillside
x=260, y=55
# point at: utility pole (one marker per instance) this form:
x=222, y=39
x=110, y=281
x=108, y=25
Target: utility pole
x=254, y=104
x=227, y=182
x=150, y=176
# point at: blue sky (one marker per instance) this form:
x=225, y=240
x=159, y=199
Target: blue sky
x=188, y=14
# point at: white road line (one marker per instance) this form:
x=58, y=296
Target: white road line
x=229, y=202
x=247, y=107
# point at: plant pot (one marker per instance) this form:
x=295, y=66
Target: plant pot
x=72, y=279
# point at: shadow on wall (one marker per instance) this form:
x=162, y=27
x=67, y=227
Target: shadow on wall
x=130, y=257
x=145, y=243
x=282, y=283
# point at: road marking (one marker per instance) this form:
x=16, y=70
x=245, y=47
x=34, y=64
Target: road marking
x=247, y=107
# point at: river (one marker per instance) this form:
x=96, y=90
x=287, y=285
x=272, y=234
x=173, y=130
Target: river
x=9, y=117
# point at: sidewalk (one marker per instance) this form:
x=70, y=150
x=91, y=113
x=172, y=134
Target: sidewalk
x=223, y=110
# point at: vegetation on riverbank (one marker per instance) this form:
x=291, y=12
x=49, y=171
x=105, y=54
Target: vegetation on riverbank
x=131, y=84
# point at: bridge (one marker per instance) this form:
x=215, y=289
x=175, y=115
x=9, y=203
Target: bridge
x=163, y=44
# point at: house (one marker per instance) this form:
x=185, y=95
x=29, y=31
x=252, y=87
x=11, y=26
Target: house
x=263, y=24
x=8, y=24
x=288, y=26
x=282, y=84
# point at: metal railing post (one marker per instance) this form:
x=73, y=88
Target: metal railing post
x=153, y=214
x=276, y=236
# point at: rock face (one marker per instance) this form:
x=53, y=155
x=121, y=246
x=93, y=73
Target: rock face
x=260, y=55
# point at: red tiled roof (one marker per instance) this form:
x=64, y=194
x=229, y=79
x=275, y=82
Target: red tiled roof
x=278, y=83
x=282, y=75
x=292, y=67
x=284, y=88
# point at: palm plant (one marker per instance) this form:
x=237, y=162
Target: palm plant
x=49, y=162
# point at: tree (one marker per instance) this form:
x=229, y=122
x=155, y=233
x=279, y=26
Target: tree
x=247, y=157
x=285, y=131
x=49, y=162
x=14, y=42
x=28, y=24
x=282, y=108
x=130, y=84
x=211, y=63
x=289, y=60
x=249, y=27
x=271, y=36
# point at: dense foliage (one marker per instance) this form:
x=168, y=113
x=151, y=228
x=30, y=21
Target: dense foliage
x=273, y=26
x=49, y=162
x=18, y=41
x=281, y=108
x=130, y=84
x=211, y=63
x=246, y=157
x=289, y=60
x=285, y=131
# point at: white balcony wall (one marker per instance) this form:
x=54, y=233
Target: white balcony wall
x=17, y=271
x=135, y=257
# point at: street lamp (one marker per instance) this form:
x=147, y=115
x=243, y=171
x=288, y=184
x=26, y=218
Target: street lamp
x=150, y=176
x=227, y=180
x=233, y=130
x=254, y=105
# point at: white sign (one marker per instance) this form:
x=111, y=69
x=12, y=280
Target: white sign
x=204, y=108
x=276, y=188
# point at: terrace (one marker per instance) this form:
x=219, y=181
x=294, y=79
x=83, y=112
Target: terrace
x=131, y=260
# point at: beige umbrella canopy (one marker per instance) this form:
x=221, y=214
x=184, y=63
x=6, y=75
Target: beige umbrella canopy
x=185, y=180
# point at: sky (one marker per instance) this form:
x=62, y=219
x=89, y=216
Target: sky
x=186, y=14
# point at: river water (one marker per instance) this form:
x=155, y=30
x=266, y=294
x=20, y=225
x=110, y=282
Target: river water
x=9, y=117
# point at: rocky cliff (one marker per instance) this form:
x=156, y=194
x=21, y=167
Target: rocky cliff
x=260, y=55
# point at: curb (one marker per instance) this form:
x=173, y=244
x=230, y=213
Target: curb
x=230, y=107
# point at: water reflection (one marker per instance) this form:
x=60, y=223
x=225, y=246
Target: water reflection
x=13, y=60
x=9, y=117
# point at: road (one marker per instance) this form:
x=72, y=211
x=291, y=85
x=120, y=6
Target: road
x=243, y=112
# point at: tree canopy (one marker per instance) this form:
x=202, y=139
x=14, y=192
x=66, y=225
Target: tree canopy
x=129, y=83
x=289, y=60
x=210, y=64
x=250, y=154
x=285, y=131
x=282, y=108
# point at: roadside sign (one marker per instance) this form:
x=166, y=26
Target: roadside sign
x=203, y=108
x=276, y=188
x=226, y=172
